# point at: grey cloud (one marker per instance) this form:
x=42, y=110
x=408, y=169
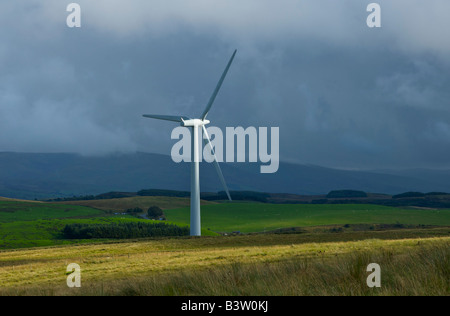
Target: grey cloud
x=342, y=94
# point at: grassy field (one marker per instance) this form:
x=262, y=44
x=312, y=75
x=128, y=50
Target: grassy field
x=42, y=233
x=143, y=202
x=36, y=224
x=326, y=254
x=237, y=265
x=12, y=211
x=258, y=217
x=33, y=224
x=26, y=224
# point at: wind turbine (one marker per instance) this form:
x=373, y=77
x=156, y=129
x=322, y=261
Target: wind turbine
x=195, y=124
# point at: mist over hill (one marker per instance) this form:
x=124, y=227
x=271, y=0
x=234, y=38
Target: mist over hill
x=40, y=176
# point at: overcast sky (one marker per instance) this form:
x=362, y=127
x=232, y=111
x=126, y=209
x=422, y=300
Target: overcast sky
x=343, y=94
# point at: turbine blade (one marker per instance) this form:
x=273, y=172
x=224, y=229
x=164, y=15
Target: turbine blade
x=216, y=91
x=207, y=140
x=167, y=117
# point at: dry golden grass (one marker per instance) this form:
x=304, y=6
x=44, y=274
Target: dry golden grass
x=123, y=266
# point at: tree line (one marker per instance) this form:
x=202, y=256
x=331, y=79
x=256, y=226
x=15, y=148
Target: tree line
x=123, y=230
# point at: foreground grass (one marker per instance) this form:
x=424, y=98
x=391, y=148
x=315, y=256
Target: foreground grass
x=240, y=265
x=422, y=271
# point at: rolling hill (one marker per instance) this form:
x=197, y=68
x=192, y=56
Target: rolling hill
x=41, y=176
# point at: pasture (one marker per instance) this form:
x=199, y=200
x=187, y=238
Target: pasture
x=260, y=217
x=34, y=224
x=13, y=211
x=143, y=202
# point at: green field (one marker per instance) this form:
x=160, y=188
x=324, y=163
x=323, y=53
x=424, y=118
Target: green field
x=42, y=233
x=36, y=224
x=32, y=224
x=11, y=211
x=259, y=217
x=143, y=202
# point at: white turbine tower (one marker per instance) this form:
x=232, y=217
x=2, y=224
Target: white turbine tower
x=194, y=124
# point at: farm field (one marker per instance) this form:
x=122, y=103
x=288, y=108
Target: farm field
x=12, y=211
x=36, y=224
x=259, y=217
x=144, y=202
x=26, y=224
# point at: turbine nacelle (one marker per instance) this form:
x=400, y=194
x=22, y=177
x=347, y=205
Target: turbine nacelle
x=194, y=123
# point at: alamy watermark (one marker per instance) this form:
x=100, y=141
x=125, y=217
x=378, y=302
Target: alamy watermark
x=73, y=272
x=374, y=18
x=374, y=279
x=74, y=18
x=241, y=145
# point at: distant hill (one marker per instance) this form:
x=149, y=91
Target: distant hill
x=42, y=176
x=166, y=199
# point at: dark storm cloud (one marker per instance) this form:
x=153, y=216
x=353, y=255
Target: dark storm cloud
x=343, y=95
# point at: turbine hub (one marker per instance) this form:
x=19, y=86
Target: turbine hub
x=194, y=123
